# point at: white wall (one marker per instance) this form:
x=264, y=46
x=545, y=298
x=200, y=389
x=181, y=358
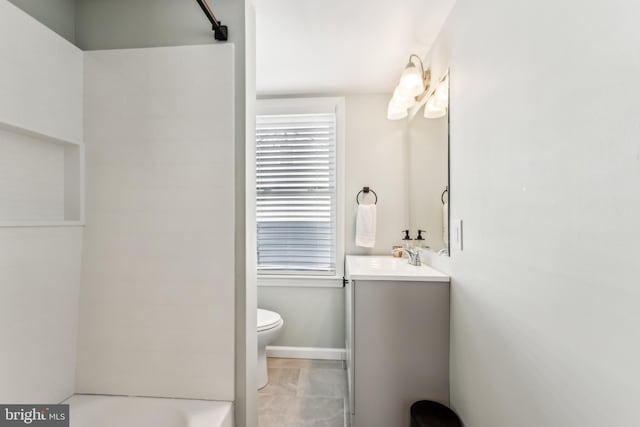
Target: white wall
x=31, y=178
x=41, y=90
x=120, y=24
x=40, y=281
x=157, y=304
x=545, y=171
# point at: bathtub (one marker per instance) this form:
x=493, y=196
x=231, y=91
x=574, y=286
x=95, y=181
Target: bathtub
x=124, y=411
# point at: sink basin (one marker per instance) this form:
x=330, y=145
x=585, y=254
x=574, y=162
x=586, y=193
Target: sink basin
x=390, y=268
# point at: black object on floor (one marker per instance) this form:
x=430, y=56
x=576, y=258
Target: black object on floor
x=426, y=413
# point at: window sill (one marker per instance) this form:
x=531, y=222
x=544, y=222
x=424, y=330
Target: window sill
x=300, y=281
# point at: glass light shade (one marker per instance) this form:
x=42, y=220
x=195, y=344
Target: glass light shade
x=402, y=101
x=438, y=102
x=442, y=94
x=411, y=84
x=433, y=110
x=395, y=111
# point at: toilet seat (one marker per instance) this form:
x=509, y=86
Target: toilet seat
x=267, y=319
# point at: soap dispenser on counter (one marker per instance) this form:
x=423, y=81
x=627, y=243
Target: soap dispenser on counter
x=420, y=240
x=407, y=241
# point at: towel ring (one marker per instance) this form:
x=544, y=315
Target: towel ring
x=446, y=190
x=366, y=190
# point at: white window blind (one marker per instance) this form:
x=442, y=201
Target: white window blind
x=296, y=193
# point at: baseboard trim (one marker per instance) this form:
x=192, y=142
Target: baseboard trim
x=320, y=353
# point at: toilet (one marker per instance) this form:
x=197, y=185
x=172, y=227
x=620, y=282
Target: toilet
x=269, y=326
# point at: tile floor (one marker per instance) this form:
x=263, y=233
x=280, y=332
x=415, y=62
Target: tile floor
x=304, y=393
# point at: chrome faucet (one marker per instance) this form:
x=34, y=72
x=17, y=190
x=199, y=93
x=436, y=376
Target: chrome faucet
x=414, y=255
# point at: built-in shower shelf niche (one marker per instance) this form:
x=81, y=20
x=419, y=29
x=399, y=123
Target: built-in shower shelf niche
x=41, y=179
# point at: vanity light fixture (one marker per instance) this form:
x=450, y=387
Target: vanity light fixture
x=395, y=112
x=432, y=110
x=438, y=101
x=412, y=89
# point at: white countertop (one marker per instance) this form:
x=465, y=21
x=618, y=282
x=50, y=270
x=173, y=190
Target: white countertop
x=389, y=268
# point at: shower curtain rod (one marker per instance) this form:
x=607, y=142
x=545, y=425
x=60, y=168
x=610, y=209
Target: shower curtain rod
x=221, y=32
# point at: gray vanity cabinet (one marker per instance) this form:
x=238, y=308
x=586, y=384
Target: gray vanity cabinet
x=397, y=335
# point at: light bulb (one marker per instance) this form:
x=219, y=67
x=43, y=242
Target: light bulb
x=402, y=101
x=411, y=84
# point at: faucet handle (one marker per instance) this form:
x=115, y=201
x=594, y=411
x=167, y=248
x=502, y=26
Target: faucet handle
x=414, y=257
x=420, y=234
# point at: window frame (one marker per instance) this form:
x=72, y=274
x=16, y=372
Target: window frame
x=315, y=105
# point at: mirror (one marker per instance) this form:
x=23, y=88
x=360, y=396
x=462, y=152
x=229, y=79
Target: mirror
x=428, y=161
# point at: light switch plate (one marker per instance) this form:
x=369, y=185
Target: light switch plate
x=456, y=231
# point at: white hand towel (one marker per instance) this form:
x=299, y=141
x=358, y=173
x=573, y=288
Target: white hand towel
x=445, y=224
x=366, y=226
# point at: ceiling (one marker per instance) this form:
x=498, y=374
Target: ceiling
x=341, y=46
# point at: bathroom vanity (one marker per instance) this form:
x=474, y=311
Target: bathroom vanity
x=397, y=338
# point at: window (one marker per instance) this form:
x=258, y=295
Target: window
x=297, y=182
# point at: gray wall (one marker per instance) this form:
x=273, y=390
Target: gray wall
x=119, y=24
x=377, y=154
x=545, y=171
x=59, y=15
x=314, y=317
